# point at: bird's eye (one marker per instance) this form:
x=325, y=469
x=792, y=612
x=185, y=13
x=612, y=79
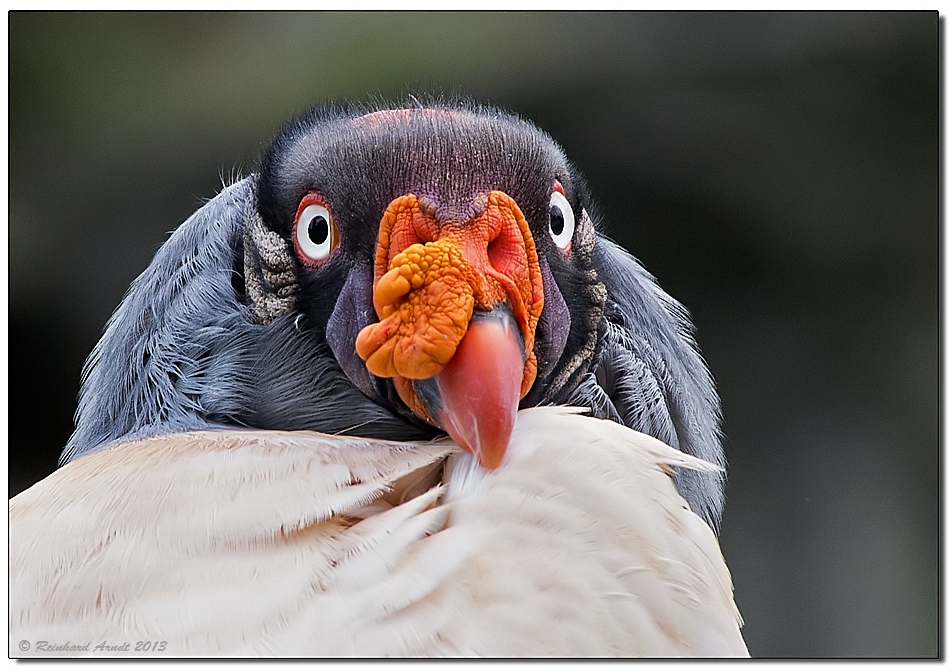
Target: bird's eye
x=315, y=232
x=562, y=221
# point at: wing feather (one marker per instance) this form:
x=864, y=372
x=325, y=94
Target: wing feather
x=148, y=373
x=650, y=376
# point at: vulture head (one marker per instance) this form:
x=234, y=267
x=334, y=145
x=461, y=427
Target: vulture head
x=401, y=273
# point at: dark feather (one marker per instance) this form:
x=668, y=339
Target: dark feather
x=226, y=328
x=650, y=376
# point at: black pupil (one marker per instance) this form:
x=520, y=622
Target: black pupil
x=557, y=220
x=318, y=230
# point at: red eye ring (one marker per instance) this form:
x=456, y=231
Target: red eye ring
x=315, y=233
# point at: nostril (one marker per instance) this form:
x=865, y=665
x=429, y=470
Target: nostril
x=504, y=251
x=494, y=250
x=423, y=231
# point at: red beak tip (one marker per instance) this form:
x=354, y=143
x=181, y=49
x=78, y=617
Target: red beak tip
x=492, y=461
x=488, y=447
x=480, y=388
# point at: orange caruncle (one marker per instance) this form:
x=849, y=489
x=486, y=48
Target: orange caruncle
x=432, y=273
x=425, y=303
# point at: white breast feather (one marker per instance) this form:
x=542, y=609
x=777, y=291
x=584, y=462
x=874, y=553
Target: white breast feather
x=302, y=544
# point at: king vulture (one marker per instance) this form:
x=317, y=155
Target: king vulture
x=390, y=395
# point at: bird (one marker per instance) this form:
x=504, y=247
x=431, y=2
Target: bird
x=391, y=394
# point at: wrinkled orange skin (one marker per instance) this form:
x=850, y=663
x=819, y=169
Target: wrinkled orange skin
x=431, y=275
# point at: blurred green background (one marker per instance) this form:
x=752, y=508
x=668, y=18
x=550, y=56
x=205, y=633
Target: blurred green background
x=778, y=173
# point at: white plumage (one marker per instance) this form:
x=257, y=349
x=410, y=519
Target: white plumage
x=246, y=543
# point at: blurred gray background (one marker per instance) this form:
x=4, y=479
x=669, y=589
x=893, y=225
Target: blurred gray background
x=778, y=173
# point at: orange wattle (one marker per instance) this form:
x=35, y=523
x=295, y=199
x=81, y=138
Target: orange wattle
x=432, y=273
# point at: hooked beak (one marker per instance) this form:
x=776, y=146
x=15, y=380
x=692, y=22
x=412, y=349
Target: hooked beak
x=458, y=303
x=475, y=396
